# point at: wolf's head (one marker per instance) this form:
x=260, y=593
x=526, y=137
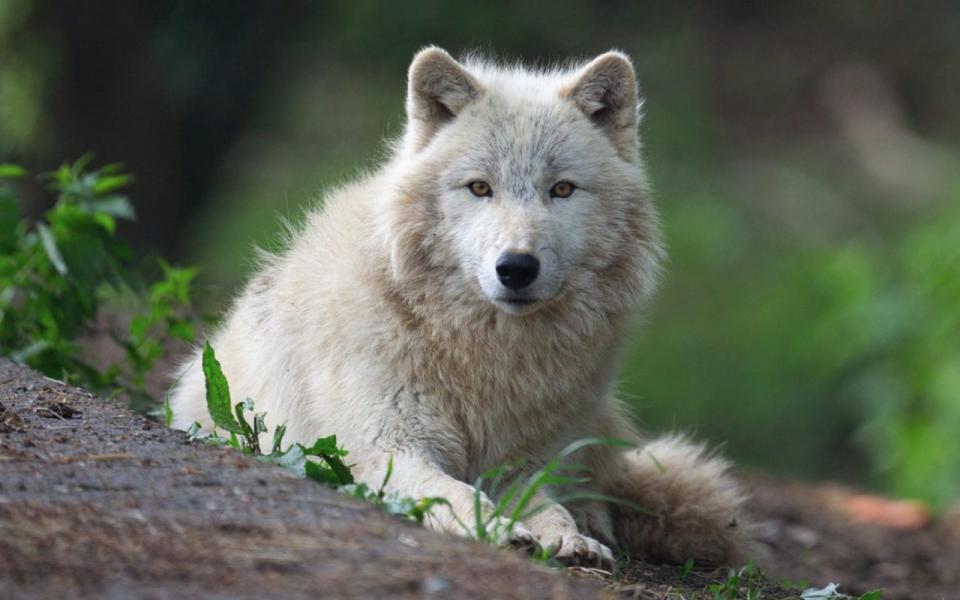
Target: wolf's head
x=522, y=189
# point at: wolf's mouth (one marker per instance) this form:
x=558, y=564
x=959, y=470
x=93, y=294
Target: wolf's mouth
x=518, y=301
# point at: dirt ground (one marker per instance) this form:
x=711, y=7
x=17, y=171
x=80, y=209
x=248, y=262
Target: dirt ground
x=97, y=501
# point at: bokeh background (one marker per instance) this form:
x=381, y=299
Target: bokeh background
x=805, y=158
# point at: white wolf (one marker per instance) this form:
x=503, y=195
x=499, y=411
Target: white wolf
x=464, y=307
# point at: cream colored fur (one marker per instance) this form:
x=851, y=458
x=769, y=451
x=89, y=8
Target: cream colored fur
x=385, y=323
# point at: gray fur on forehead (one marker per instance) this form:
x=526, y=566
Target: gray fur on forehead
x=546, y=128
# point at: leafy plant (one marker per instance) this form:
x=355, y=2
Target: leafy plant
x=683, y=571
x=517, y=502
x=328, y=467
x=392, y=503
x=323, y=461
x=740, y=584
x=58, y=273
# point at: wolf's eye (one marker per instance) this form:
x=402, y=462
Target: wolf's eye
x=480, y=189
x=562, y=189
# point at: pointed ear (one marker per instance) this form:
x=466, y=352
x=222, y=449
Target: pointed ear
x=606, y=91
x=438, y=88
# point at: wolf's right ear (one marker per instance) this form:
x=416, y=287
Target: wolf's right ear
x=438, y=88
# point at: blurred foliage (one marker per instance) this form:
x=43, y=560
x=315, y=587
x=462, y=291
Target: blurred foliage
x=813, y=358
x=56, y=276
x=803, y=157
x=24, y=77
x=905, y=377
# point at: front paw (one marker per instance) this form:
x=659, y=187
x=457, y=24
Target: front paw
x=506, y=533
x=574, y=549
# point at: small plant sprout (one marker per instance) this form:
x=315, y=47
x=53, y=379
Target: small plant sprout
x=683, y=571
x=517, y=502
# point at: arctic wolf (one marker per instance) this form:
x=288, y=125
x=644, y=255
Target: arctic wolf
x=464, y=307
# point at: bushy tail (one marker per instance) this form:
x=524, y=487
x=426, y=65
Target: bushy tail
x=691, y=505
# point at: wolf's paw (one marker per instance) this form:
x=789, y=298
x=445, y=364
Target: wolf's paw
x=574, y=549
x=514, y=535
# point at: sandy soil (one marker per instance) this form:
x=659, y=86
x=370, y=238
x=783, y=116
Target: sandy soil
x=97, y=501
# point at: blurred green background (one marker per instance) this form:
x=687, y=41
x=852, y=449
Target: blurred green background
x=804, y=157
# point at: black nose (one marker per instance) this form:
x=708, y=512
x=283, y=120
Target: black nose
x=517, y=271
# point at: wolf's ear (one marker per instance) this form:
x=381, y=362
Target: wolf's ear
x=606, y=91
x=438, y=88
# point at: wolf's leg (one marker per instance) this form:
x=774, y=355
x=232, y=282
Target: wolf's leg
x=417, y=477
x=690, y=504
x=558, y=533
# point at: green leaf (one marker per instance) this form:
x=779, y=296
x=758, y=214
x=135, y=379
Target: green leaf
x=318, y=472
x=108, y=223
x=50, y=247
x=35, y=348
x=139, y=326
x=386, y=477
x=182, y=330
x=278, y=434
x=326, y=449
x=11, y=171
x=423, y=506
x=111, y=182
x=342, y=471
x=167, y=413
x=238, y=411
x=322, y=446
x=218, y=393
x=259, y=425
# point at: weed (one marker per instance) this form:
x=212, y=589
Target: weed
x=323, y=461
x=517, y=502
x=684, y=570
x=743, y=584
x=56, y=274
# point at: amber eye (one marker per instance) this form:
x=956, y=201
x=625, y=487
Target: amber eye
x=562, y=189
x=480, y=189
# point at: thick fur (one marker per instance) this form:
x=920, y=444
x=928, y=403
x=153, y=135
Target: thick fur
x=384, y=321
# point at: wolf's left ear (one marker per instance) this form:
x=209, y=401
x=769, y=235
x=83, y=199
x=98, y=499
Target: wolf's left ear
x=606, y=91
x=438, y=88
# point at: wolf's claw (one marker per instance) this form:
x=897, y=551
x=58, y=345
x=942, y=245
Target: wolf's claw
x=517, y=537
x=573, y=549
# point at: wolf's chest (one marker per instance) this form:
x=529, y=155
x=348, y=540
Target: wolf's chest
x=498, y=394
x=490, y=418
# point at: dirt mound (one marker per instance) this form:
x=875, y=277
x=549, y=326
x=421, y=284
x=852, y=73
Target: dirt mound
x=98, y=501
